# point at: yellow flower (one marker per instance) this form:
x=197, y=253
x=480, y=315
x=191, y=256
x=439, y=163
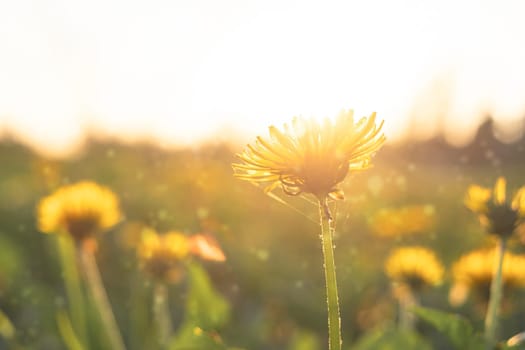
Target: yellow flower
x=173, y=245
x=416, y=267
x=407, y=220
x=496, y=212
x=81, y=209
x=474, y=271
x=162, y=256
x=311, y=157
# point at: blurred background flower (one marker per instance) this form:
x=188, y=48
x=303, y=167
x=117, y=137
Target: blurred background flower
x=472, y=274
x=82, y=210
x=499, y=213
x=415, y=267
x=163, y=256
x=412, y=269
x=404, y=221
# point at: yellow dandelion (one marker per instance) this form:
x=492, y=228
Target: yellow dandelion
x=407, y=220
x=311, y=157
x=474, y=272
x=82, y=210
x=496, y=212
x=415, y=267
x=162, y=256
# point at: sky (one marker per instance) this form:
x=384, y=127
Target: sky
x=185, y=71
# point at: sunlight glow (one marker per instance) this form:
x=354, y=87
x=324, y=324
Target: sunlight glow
x=180, y=71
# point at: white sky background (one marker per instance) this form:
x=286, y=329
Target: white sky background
x=179, y=71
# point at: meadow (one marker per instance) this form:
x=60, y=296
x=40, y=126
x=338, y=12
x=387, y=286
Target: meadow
x=269, y=292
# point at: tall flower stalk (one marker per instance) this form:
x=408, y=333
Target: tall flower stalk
x=75, y=295
x=332, y=298
x=80, y=212
x=500, y=217
x=100, y=297
x=496, y=294
x=314, y=158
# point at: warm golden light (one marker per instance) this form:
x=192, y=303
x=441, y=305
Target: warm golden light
x=189, y=70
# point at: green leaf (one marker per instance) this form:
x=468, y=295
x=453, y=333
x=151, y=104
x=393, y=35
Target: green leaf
x=304, y=340
x=11, y=260
x=66, y=331
x=205, y=307
x=455, y=327
x=515, y=347
x=391, y=338
x=194, y=338
x=206, y=311
x=7, y=331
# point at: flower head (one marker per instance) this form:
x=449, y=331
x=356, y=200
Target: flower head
x=163, y=256
x=474, y=271
x=311, y=157
x=415, y=267
x=497, y=213
x=82, y=210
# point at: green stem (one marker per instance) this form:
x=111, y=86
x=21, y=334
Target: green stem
x=496, y=293
x=100, y=298
x=161, y=312
x=74, y=292
x=407, y=318
x=334, y=320
x=139, y=335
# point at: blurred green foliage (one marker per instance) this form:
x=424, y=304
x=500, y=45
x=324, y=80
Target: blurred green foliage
x=457, y=329
x=269, y=294
x=388, y=337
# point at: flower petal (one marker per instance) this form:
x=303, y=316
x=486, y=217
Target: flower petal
x=500, y=191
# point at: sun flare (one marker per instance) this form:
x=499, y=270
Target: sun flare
x=190, y=70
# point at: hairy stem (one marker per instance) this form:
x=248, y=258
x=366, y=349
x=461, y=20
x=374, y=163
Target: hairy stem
x=496, y=293
x=334, y=320
x=100, y=298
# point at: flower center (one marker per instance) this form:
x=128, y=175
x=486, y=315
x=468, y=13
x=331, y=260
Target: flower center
x=322, y=174
x=501, y=220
